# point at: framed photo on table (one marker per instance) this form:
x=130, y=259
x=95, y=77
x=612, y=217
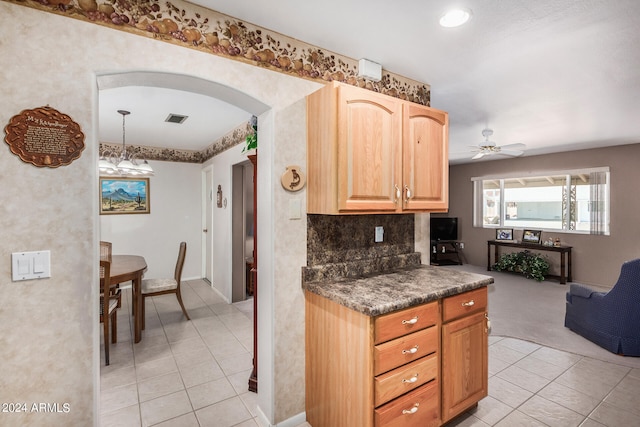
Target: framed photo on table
x=504, y=234
x=531, y=236
x=124, y=196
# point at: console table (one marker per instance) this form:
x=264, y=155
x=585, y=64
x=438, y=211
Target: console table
x=564, y=251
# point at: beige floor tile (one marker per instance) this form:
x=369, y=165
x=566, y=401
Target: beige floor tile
x=186, y=420
x=613, y=416
x=165, y=408
x=188, y=345
x=525, y=379
x=193, y=358
x=240, y=381
x=525, y=347
x=517, y=418
x=155, y=368
x=506, y=354
x=224, y=414
x=209, y=393
x=537, y=366
x=626, y=395
x=550, y=413
x=159, y=386
x=146, y=352
x=491, y=410
x=250, y=400
x=180, y=331
x=507, y=392
x=569, y=398
x=557, y=357
x=118, y=398
x=200, y=373
x=117, y=377
x=236, y=363
x=124, y=417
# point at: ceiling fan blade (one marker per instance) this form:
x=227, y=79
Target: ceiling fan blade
x=513, y=153
x=478, y=156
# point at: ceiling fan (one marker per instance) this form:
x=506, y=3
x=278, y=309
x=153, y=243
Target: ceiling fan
x=489, y=148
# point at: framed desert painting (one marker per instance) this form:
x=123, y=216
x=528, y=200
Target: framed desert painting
x=124, y=196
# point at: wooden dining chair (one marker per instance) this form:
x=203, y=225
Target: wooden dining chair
x=105, y=250
x=155, y=287
x=108, y=308
x=105, y=254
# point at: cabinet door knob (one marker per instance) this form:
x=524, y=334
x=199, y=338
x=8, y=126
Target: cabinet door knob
x=468, y=303
x=413, y=379
x=398, y=194
x=410, y=351
x=410, y=322
x=412, y=410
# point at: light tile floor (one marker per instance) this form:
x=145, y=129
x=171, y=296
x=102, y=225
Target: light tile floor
x=195, y=373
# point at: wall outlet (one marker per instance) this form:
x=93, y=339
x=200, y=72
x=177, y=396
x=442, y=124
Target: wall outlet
x=379, y=234
x=461, y=244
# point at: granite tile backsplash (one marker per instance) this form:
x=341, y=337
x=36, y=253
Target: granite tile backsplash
x=344, y=246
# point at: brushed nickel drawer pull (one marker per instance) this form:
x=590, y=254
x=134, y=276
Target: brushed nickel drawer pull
x=468, y=303
x=413, y=379
x=411, y=351
x=411, y=411
x=398, y=194
x=410, y=322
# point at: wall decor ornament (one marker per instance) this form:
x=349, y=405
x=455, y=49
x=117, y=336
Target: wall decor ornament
x=124, y=196
x=44, y=137
x=293, y=179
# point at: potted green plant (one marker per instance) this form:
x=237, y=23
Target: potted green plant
x=251, y=141
x=531, y=265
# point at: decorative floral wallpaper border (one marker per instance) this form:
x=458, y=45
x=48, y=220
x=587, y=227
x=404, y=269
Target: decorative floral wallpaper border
x=231, y=139
x=192, y=26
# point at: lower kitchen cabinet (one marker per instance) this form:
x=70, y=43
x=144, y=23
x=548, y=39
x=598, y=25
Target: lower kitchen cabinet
x=464, y=352
x=390, y=370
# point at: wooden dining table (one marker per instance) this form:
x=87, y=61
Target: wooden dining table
x=126, y=268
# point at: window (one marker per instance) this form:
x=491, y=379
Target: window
x=569, y=201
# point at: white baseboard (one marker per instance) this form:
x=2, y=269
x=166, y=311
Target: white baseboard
x=294, y=421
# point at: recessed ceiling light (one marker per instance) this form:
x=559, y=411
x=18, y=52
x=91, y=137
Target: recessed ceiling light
x=455, y=17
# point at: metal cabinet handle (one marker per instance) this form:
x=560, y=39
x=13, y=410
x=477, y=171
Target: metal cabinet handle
x=398, y=194
x=413, y=379
x=410, y=351
x=410, y=322
x=408, y=193
x=468, y=303
x=412, y=410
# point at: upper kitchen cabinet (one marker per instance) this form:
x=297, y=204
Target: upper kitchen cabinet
x=372, y=153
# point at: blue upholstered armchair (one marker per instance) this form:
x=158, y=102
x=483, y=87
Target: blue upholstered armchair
x=609, y=319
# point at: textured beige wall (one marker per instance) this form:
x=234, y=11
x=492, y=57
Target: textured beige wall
x=596, y=259
x=48, y=344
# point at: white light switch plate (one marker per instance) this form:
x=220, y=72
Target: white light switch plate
x=30, y=265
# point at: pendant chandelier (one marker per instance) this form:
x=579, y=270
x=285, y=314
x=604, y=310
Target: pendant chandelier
x=110, y=163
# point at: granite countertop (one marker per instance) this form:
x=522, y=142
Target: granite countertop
x=383, y=293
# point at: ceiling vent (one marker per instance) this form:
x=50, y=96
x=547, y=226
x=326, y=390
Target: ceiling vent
x=176, y=118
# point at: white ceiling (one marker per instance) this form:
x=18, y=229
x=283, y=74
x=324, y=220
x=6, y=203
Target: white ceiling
x=556, y=75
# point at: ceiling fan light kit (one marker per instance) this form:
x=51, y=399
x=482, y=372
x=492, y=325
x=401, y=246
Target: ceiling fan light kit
x=489, y=148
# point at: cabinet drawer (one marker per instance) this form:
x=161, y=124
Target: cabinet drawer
x=405, y=378
x=399, y=323
x=419, y=408
x=464, y=304
x=403, y=350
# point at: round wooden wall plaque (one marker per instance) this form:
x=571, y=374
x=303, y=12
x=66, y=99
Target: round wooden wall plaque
x=293, y=179
x=44, y=137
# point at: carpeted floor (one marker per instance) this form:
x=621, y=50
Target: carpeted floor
x=534, y=311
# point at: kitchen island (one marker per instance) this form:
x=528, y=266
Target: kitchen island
x=401, y=348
